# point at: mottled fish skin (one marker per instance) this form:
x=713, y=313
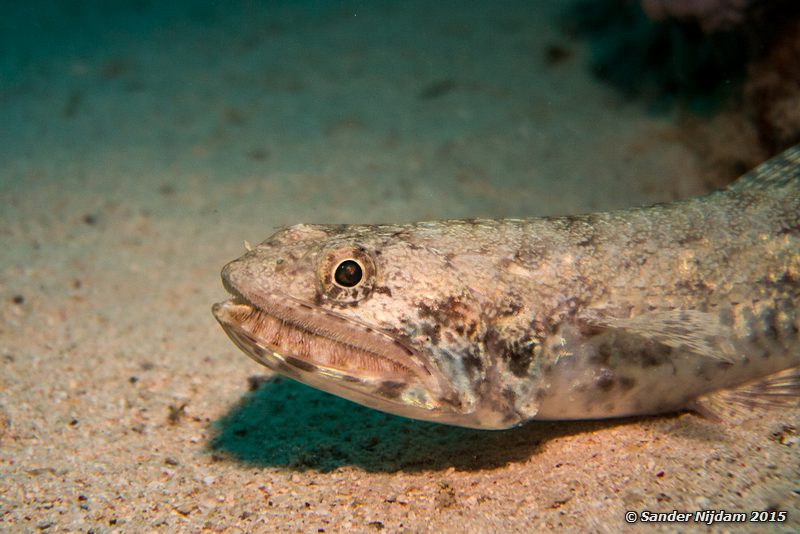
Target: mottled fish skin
x=489, y=323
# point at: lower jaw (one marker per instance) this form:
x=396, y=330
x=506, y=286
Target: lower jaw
x=276, y=341
x=360, y=389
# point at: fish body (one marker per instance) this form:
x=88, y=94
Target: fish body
x=490, y=323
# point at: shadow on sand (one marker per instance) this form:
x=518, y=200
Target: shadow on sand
x=286, y=424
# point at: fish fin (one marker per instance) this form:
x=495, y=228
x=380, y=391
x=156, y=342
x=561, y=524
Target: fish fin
x=778, y=390
x=690, y=331
x=781, y=171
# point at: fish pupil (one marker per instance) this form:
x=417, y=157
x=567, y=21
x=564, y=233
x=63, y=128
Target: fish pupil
x=348, y=273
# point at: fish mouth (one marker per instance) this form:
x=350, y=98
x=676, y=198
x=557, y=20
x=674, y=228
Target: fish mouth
x=333, y=353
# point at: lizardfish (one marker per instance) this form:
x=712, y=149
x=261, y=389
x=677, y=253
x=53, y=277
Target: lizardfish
x=489, y=323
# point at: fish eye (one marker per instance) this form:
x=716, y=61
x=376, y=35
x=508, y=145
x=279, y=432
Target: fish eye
x=348, y=273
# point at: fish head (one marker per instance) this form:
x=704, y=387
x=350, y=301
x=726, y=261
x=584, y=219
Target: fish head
x=366, y=313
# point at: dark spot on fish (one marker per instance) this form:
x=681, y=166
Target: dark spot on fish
x=726, y=316
x=318, y=298
x=510, y=396
x=431, y=331
x=399, y=235
x=391, y=389
x=451, y=399
x=472, y=328
x=540, y=394
x=473, y=365
x=446, y=312
x=281, y=367
x=588, y=329
x=511, y=417
x=336, y=292
x=383, y=290
x=510, y=308
x=689, y=238
x=693, y=286
x=580, y=229
x=569, y=221
x=603, y=354
x=650, y=354
x=701, y=285
x=626, y=382
x=518, y=354
x=789, y=229
x=771, y=322
x=605, y=380
x=300, y=364
x=609, y=407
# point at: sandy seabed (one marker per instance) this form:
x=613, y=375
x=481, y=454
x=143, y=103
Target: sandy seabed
x=139, y=149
